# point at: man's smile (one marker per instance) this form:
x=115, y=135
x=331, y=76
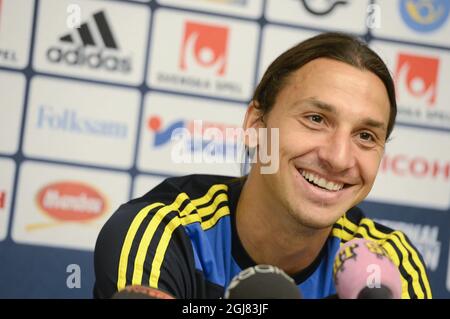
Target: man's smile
x=321, y=181
x=321, y=189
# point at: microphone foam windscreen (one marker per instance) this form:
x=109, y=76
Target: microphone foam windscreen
x=363, y=265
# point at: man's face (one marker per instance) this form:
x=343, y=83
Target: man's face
x=332, y=121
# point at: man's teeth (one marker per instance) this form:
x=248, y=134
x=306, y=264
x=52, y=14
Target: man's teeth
x=322, y=182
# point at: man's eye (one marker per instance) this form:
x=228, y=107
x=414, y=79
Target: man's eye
x=316, y=118
x=366, y=136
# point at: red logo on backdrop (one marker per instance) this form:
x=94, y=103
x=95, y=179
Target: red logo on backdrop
x=204, y=46
x=419, y=74
x=2, y=197
x=415, y=166
x=71, y=201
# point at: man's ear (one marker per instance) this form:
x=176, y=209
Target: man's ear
x=253, y=116
x=252, y=122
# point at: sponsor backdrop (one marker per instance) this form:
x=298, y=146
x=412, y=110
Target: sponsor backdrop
x=92, y=90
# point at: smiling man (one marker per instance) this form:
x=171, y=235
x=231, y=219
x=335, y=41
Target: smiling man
x=332, y=100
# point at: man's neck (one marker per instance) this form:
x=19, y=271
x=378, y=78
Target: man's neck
x=271, y=235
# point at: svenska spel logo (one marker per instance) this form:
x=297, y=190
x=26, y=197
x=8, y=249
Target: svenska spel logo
x=417, y=75
x=204, y=47
x=424, y=15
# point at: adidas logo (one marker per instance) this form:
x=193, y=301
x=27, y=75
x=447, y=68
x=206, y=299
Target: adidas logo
x=86, y=36
x=94, y=42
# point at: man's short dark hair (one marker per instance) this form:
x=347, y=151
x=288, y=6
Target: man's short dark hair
x=336, y=46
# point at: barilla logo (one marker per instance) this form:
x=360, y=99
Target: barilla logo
x=418, y=76
x=71, y=201
x=204, y=48
x=424, y=15
x=96, y=47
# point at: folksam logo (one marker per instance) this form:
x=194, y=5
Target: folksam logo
x=70, y=121
x=424, y=15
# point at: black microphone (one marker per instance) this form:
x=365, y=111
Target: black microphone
x=262, y=282
x=141, y=292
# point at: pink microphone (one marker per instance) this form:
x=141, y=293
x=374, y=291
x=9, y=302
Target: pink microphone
x=363, y=270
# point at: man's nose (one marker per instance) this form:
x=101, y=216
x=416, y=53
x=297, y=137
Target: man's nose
x=336, y=154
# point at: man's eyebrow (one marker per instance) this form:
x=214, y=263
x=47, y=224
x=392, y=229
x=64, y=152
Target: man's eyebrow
x=321, y=105
x=332, y=109
x=373, y=123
